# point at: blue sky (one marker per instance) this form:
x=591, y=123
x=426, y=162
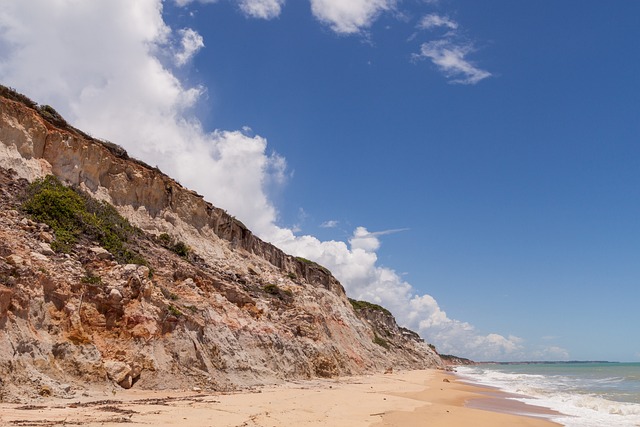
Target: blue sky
x=473, y=166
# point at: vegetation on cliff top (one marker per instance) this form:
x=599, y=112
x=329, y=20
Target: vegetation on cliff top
x=72, y=214
x=365, y=305
x=315, y=264
x=9, y=93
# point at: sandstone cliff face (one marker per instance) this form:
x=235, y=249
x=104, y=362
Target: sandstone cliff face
x=238, y=312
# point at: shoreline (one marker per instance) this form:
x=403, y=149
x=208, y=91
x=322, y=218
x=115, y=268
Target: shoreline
x=407, y=398
x=451, y=402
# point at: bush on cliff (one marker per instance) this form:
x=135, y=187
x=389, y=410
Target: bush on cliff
x=180, y=248
x=72, y=213
x=365, y=305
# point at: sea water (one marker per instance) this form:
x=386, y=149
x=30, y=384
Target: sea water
x=587, y=394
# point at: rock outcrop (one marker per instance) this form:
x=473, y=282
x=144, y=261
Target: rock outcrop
x=233, y=312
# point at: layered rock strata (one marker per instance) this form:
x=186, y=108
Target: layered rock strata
x=236, y=312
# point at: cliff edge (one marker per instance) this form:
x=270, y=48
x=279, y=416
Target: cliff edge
x=165, y=290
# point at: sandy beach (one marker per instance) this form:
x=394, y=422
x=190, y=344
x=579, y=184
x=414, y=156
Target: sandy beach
x=412, y=398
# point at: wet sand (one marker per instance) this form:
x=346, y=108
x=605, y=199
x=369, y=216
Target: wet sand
x=448, y=402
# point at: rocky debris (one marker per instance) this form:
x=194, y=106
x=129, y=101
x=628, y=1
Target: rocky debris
x=15, y=260
x=101, y=253
x=6, y=295
x=45, y=248
x=232, y=311
x=122, y=373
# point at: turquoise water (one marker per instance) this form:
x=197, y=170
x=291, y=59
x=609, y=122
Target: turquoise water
x=589, y=394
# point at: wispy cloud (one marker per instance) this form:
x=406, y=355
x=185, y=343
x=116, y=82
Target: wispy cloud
x=364, y=239
x=186, y=2
x=330, y=224
x=450, y=58
x=449, y=53
x=387, y=232
x=434, y=21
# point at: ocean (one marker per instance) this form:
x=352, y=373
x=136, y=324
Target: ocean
x=587, y=394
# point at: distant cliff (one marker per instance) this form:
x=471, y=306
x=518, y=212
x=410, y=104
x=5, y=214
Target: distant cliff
x=166, y=292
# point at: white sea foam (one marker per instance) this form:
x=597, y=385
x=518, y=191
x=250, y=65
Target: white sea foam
x=584, y=399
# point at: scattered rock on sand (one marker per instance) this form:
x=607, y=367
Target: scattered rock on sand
x=119, y=372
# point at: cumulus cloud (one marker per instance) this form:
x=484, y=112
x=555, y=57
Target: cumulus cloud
x=263, y=9
x=355, y=265
x=450, y=58
x=191, y=42
x=98, y=63
x=434, y=21
x=349, y=17
x=71, y=55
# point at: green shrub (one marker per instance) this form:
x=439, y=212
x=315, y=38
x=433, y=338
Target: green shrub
x=174, y=310
x=312, y=263
x=271, y=289
x=277, y=291
x=381, y=342
x=90, y=279
x=11, y=93
x=165, y=239
x=365, y=305
x=51, y=115
x=179, y=248
x=168, y=294
x=72, y=213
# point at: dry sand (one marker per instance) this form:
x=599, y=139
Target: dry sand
x=411, y=398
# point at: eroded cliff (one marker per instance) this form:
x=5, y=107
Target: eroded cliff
x=233, y=312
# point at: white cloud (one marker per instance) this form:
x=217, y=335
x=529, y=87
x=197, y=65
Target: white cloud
x=186, y=2
x=349, y=17
x=355, y=265
x=330, y=224
x=451, y=60
x=191, y=42
x=434, y=21
x=364, y=240
x=71, y=54
x=448, y=53
x=263, y=9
